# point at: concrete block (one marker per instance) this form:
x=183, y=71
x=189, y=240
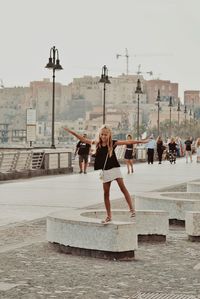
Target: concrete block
x=152, y=225
x=192, y=225
x=175, y=203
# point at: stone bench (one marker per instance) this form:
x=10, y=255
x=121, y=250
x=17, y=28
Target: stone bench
x=81, y=232
x=175, y=203
x=192, y=225
x=77, y=232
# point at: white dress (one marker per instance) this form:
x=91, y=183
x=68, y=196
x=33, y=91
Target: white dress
x=111, y=174
x=198, y=151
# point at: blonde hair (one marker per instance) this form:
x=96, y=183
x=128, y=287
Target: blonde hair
x=198, y=142
x=109, y=141
x=172, y=139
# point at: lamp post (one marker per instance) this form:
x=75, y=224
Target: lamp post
x=190, y=114
x=138, y=91
x=105, y=80
x=158, y=103
x=54, y=64
x=179, y=109
x=185, y=112
x=170, y=116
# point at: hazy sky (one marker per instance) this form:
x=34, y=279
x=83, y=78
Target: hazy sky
x=161, y=35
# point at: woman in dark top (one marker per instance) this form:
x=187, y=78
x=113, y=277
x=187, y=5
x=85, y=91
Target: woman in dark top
x=105, y=159
x=172, y=150
x=129, y=155
x=160, y=148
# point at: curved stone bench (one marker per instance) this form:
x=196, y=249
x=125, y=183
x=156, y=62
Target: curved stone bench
x=76, y=232
x=192, y=225
x=193, y=186
x=175, y=203
x=81, y=232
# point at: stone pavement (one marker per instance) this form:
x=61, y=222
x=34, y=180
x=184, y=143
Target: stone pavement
x=32, y=268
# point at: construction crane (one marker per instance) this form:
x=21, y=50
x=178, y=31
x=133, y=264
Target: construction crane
x=127, y=59
x=139, y=72
x=127, y=56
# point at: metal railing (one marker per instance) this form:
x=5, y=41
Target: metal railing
x=20, y=161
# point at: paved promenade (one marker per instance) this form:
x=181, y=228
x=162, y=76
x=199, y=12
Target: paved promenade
x=36, y=198
x=30, y=268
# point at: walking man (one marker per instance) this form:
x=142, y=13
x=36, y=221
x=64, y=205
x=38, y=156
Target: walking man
x=83, y=150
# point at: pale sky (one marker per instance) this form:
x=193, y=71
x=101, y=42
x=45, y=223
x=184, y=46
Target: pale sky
x=161, y=35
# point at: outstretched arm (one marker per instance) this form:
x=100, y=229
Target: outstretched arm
x=131, y=141
x=81, y=138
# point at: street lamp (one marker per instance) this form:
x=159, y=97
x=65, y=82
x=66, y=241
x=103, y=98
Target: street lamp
x=185, y=112
x=104, y=79
x=54, y=64
x=190, y=114
x=170, y=116
x=138, y=91
x=179, y=109
x=158, y=103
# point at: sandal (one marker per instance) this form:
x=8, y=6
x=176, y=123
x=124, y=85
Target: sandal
x=132, y=213
x=107, y=220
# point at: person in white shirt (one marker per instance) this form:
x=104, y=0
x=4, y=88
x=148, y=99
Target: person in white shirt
x=151, y=145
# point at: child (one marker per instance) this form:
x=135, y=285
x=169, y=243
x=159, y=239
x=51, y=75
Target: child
x=106, y=159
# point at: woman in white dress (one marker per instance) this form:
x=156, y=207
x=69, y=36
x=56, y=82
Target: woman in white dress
x=197, y=145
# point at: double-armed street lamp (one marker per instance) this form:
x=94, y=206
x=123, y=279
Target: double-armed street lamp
x=179, y=110
x=138, y=91
x=170, y=116
x=105, y=80
x=158, y=103
x=54, y=64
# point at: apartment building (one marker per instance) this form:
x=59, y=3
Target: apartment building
x=167, y=90
x=192, y=98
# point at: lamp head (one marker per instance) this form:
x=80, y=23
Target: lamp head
x=138, y=87
x=50, y=64
x=57, y=66
x=158, y=96
x=179, y=108
x=170, y=102
x=104, y=76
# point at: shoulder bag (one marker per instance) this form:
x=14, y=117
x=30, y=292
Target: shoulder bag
x=101, y=172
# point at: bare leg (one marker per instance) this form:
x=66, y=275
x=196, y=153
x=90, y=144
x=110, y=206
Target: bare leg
x=186, y=156
x=106, y=188
x=127, y=163
x=80, y=165
x=131, y=164
x=126, y=193
x=85, y=167
x=190, y=153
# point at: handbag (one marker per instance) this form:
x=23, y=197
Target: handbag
x=101, y=172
